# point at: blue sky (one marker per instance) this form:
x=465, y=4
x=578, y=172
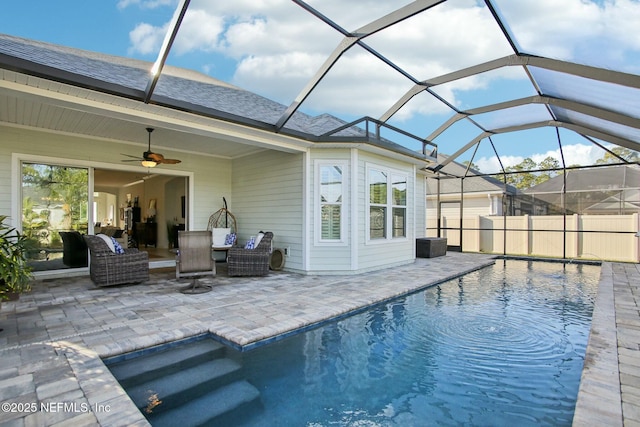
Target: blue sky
x=273, y=47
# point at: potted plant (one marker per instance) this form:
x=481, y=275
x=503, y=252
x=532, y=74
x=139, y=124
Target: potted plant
x=15, y=273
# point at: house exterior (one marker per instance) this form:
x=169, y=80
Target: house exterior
x=344, y=203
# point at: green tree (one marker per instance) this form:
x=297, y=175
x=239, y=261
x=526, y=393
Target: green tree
x=525, y=177
x=548, y=164
x=625, y=153
x=473, y=165
x=522, y=179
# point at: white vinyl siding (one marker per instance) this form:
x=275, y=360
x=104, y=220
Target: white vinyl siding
x=268, y=195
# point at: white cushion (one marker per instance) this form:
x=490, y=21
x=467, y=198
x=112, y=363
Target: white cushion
x=108, y=241
x=219, y=237
x=258, y=238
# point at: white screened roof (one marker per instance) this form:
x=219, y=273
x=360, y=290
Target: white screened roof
x=451, y=73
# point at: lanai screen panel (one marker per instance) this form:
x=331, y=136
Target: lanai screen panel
x=516, y=116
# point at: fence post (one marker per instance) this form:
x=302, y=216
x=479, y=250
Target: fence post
x=577, y=232
x=527, y=236
x=636, y=221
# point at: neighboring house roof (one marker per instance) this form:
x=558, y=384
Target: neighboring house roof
x=472, y=183
x=601, y=178
x=177, y=88
x=594, y=190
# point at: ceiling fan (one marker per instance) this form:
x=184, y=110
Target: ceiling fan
x=149, y=158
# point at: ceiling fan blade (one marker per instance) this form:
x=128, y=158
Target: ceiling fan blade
x=131, y=160
x=170, y=161
x=156, y=157
x=129, y=155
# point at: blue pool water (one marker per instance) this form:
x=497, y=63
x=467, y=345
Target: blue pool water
x=502, y=346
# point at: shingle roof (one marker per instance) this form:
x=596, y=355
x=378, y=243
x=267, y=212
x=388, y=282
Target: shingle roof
x=601, y=178
x=176, y=88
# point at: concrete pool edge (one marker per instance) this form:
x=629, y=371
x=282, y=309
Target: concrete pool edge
x=599, y=396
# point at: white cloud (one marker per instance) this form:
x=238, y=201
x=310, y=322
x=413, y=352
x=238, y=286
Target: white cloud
x=594, y=32
x=574, y=154
x=146, y=39
x=145, y=4
x=278, y=46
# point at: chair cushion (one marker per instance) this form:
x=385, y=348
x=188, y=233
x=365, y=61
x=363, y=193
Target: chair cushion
x=219, y=236
x=230, y=239
x=108, y=241
x=258, y=239
x=116, y=246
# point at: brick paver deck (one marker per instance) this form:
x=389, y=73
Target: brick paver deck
x=54, y=337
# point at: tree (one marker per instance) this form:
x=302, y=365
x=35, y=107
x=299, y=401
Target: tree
x=473, y=165
x=522, y=179
x=521, y=176
x=625, y=153
x=548, y=164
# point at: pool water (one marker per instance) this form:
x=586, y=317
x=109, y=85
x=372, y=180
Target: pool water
x=502, y=346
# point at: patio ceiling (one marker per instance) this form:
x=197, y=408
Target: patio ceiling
x=599, y=104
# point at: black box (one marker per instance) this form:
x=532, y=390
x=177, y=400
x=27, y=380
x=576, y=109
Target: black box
x=431, y=247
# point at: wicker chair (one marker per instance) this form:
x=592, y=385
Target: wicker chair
x=74, y=249
x=250, y=262
x=194, y=259
x=108, y=268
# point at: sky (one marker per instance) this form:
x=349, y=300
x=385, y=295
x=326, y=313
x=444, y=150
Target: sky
x=274, y=47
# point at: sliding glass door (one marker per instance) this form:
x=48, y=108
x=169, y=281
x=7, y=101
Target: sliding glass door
x=55, y=212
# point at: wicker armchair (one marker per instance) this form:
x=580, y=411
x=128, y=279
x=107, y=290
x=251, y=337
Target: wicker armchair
x=250, y=262
x=108, y=268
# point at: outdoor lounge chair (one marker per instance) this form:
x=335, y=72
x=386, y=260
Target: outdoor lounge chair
x=74, y=249
x=250, y=262
x=108, y=268
x=194, y=259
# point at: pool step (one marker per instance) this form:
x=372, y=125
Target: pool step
x=153, y=365
x=208, y=407
x=170, y=390
x=188, y=384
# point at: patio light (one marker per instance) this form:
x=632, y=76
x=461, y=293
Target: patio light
x=148, y=163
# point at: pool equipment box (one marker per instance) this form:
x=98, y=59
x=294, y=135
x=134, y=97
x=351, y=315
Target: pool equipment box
x=431, y=247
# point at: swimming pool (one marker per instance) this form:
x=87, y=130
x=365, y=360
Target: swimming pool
x=501, y=346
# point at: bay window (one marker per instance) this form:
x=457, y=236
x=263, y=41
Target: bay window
x=387, y=204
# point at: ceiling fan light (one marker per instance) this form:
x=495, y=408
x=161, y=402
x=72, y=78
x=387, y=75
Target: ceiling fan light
x=149, y=163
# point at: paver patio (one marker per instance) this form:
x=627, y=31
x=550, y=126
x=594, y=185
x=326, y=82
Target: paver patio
x=55, y=336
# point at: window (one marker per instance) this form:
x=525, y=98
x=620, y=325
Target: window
x=377, y=204
x=330, y=188
x=54, y=199
x=383, y=202
x=399, y=205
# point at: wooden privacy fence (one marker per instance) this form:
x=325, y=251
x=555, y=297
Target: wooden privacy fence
x=601, y=237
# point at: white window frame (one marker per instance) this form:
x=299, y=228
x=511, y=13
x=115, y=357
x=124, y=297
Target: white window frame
x=390, y=172
x=318, y=240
